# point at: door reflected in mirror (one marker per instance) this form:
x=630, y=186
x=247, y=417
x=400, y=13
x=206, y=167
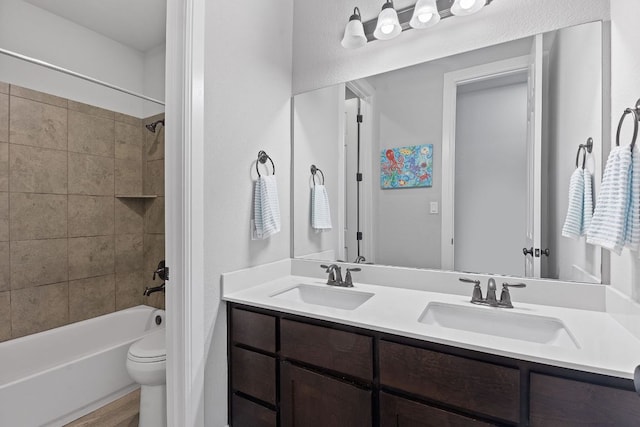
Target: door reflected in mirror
x=505, y=123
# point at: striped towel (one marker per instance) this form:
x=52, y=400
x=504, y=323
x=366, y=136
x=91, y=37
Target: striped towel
x=587, y=210
x=320, y=213
x=574, y=221
x=266, y=212
x=616, y=220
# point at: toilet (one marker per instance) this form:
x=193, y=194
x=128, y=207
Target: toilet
x=147, y=364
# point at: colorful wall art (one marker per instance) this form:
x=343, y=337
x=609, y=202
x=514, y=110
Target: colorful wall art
x=406, y=167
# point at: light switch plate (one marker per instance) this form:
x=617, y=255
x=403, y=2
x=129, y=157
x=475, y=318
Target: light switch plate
x=433, y=208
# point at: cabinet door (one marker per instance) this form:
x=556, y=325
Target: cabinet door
x=309, y=399
x=562, y=402
x=398, y=412
x=248, y=414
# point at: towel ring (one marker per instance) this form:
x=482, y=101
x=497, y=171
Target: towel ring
x=581, y=147
x=314, y=169
x=262, y=158
x=588, y=148
x=636, y=117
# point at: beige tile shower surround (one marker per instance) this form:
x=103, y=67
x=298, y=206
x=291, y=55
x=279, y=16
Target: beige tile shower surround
x=69, y=249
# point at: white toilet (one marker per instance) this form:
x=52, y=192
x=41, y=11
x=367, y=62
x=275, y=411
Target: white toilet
x=147, y=365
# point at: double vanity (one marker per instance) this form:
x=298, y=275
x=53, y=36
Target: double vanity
x=303, y=353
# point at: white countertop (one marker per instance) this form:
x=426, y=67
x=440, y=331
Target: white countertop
x=605, y=346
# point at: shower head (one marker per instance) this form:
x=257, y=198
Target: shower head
x=152, y=126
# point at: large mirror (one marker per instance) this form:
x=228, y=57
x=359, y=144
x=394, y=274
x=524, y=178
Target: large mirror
x=461, y=163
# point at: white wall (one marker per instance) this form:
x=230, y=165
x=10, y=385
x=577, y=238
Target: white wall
x=319, y=60
x=491, y=179
x=247, y=108
x=625, y=90
x=318, y=134
x=31, y=31
x=153, y=81
x=575, y=64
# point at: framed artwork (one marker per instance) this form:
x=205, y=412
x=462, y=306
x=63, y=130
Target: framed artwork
x=406, y=167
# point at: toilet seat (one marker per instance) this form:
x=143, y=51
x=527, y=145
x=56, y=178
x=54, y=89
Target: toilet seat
x=150, y=349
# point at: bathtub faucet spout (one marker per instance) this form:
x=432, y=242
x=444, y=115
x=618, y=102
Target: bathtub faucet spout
x=148, y=291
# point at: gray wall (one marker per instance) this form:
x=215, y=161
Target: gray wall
x=408, y=111
x=575, y=68
x=317, y=132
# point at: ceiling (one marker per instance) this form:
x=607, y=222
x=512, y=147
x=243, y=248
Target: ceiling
x=140, y=24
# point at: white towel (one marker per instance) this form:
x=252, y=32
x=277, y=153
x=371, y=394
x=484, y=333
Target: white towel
x=320, y=213
x=573, y=223
x=616, y=221
x=632, y=235
x=266, y=208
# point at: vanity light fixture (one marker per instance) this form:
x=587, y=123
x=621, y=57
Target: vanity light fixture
x=425, y=14
x=354, y=32
x=388, y=25
x=467, y=7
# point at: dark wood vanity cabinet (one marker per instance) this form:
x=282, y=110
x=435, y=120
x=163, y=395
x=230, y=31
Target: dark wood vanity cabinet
x=310, y=399
x=292, y=371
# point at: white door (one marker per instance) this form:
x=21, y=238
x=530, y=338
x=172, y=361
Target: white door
x=534, y=161
x=490, y=175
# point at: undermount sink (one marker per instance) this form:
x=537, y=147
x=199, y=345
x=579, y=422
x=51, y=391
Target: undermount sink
x=345, y=299
x=499, y=322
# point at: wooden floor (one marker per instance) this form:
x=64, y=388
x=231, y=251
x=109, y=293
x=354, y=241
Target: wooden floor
x=121, y=413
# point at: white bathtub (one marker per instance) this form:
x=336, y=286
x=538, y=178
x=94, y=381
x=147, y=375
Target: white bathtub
x=56, y=376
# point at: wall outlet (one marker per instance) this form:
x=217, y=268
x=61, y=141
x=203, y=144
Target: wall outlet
x=433, y=208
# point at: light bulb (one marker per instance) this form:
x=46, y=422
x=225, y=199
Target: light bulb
x=388, y=25
x=387, y=29
x=425, y=14
x=425, y=17
x=467, y=7
x=467, y=4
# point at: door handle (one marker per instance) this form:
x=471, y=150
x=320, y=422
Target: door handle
x=526, y=251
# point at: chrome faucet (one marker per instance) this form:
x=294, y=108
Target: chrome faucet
x=162, y=271
x=491, y=300
x=335, y=276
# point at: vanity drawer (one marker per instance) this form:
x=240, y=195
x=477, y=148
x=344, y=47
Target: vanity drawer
x=398, y=412
x=253, y=329
x=561, y=402
x=253, y=374
x=248, y=414
x=339, y=351
x=475, y=386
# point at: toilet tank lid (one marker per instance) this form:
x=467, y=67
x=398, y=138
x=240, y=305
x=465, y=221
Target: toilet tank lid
x=152, y=345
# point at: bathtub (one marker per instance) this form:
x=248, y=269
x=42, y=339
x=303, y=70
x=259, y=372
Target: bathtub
x=53, y=377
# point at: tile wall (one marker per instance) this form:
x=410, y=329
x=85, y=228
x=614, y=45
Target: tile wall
x=69, y=248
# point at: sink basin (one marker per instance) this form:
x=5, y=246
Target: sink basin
x=345, y=299
x=499, y=322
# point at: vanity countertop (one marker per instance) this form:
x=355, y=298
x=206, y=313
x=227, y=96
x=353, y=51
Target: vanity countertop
x=605, y=346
